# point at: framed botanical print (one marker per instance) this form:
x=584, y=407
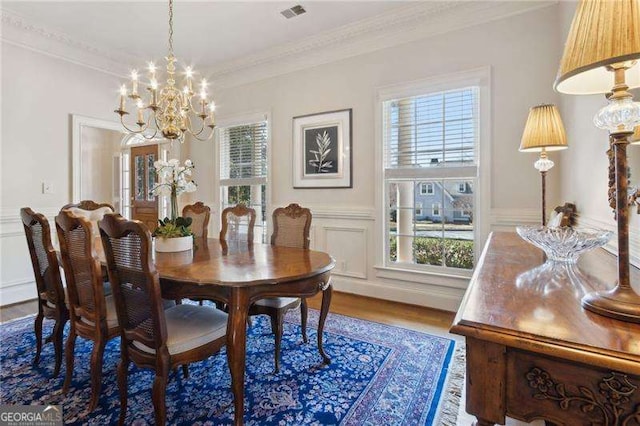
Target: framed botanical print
x=322, y=150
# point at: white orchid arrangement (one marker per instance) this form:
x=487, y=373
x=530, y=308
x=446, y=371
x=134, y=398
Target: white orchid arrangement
x=173, y=180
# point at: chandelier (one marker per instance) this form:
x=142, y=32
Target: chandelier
x=172, y=111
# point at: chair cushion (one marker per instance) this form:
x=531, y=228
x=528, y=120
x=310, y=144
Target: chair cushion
x=112, y=317
x=190, y=326
x=277, y=302
x=94, y=216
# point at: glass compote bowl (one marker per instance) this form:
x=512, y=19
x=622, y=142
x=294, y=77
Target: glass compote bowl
x=564, y=244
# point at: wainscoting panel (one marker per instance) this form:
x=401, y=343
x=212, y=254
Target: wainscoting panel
x=349, y=235
x=348, y=246
x=612, y=245
x=17, y=283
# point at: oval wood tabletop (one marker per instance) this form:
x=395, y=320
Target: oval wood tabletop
x=238, y=264
x=515, y=293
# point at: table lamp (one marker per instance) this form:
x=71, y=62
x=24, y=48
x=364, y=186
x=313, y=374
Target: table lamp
x=600, y=56
x=543, y=132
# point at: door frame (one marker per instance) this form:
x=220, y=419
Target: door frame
x=125, y=147
x=78, y=122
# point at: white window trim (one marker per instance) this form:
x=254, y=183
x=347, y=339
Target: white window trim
x=436, y=210
x=424, y=189
x=418, y=209
x=462, y=187
x=430, y=189
x=223, y=121
x=480, y=77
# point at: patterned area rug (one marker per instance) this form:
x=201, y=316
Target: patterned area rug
x=379, y=375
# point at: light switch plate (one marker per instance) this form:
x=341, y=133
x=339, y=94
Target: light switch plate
x=47, y=187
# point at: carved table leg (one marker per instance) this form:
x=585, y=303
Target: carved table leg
x=324, y=310
x=482, y=422
x=236, y=347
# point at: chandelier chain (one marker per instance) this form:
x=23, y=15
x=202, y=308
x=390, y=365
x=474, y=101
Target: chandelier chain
x=171, y=27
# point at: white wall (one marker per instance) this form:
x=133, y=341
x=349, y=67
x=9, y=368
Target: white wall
x=39, y=92
x=523, y=54
x=584, y=166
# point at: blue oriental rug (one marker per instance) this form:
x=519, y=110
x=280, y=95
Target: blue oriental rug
x=379, y=375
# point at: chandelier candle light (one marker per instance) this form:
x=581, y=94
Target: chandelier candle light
x=543, y=132
x=172, y=111
x=601, y=56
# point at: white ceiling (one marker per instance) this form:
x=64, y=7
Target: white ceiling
x=205, y=33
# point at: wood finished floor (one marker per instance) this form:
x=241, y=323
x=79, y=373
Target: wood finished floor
x=393, y=313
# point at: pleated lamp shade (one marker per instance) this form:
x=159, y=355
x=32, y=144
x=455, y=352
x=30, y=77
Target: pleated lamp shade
x=635, y=139
x=603, y=32
x=544, y=129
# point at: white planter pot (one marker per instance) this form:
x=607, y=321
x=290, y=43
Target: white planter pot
x=173, y=244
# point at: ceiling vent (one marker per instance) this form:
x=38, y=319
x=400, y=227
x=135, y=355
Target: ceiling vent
x=293, y=12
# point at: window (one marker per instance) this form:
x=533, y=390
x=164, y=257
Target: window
x=430, y=142
x=243, y=170
x=435, y=210
x=426, y=188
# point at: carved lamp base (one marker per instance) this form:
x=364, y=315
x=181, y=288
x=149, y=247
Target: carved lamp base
x=621, y=303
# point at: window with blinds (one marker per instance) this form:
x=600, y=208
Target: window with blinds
x=243, y=170
x=431, y=160
x=244, y=154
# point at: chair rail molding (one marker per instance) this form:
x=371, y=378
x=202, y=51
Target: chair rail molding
x=342, y=213
x=508, y=219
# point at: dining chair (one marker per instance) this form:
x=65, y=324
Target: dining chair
x=91, y=211
x=237, y=224
x=51, y=293
x=152, y=337
x=199, y=214
x=93, y=315
x=89, y=205
x=291, y=226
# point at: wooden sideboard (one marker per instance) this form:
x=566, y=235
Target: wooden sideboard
x=534, y=353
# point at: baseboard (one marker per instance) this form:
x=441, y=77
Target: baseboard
x=447, y=299
x=17, y=291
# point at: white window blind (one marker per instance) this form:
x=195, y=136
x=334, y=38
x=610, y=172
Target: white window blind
x=436, y=130
x=431, y=143
x=243, y=159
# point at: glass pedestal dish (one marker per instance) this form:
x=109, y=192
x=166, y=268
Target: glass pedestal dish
x=564, y=244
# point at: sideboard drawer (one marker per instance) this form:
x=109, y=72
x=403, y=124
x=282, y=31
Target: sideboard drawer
x=570, y=393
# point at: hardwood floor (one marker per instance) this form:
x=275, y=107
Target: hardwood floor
x=18, y=310
x=387, y=312
x=393, y=313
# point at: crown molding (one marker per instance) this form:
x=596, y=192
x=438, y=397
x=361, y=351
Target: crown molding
x=28, y=34
x=400, y=26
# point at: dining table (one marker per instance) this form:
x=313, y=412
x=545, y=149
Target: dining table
x=239, y=274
